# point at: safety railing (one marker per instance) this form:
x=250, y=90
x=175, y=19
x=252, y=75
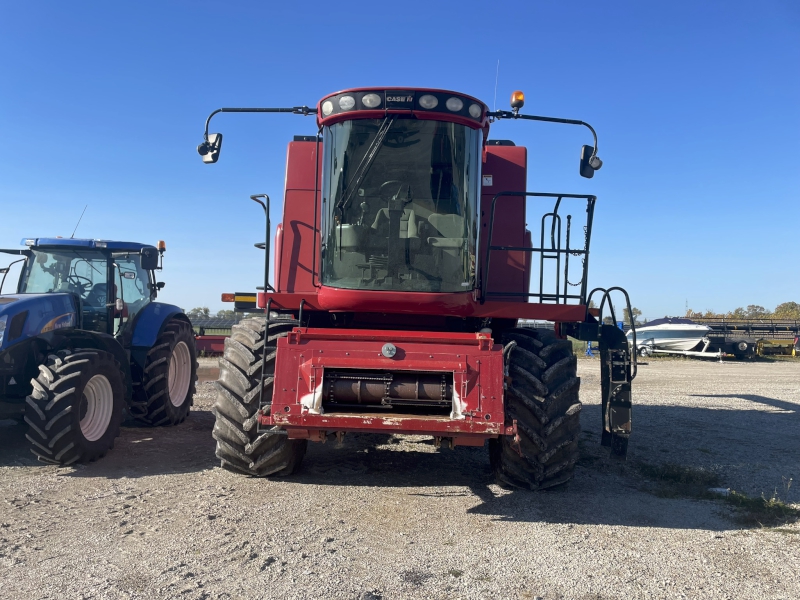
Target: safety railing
x=554, y=249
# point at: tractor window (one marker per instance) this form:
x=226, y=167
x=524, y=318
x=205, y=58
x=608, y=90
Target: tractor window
x=401, y=213
x=79, y=272
x=131, y=285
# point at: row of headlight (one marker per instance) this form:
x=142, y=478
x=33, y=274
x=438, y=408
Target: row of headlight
x=453, y=104
x=426, y=101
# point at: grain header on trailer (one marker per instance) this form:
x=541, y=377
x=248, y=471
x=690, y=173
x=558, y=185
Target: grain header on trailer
x=401, y=267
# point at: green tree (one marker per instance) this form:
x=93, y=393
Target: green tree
x=636, y=314
x=787, y=310
x=226, y=314
x=754, y=311
x=200, y=312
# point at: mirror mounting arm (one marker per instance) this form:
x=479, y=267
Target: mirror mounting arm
x=507, y=114
x=296, y=110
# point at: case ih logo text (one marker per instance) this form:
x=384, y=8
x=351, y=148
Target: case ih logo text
x=403, y=99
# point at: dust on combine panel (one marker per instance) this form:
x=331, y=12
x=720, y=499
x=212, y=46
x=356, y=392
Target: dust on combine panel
x=402, y=266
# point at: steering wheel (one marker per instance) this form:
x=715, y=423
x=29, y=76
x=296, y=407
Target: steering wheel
x=386, y=194
x=75, y=280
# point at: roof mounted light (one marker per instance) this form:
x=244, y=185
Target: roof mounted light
x=428, y=102
x=347, y=102
x=454, y=104
x=475, y=111
x=327, y=107
x=371, y=100
x=517, y=100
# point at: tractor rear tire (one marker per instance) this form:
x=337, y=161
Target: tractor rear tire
x=75, y=408
x=542, y=396
x=167, y=390
x=240, y=446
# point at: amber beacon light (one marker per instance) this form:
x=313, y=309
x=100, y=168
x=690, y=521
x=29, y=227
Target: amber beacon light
x=517, y=100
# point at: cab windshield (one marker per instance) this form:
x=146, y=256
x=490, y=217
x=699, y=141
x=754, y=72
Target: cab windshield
x=400, y=199
x=78, y=272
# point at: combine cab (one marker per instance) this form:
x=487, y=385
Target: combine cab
x=401, y=268
x=83, y=338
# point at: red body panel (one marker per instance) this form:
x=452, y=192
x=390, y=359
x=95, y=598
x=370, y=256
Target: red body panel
x=210, y=344
x=507, y=167
x=299, y=240
x=457, y=305
x=278, y=254
x=475, y=361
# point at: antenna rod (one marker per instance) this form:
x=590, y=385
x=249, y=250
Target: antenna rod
x=79, y=222
x=496, y=79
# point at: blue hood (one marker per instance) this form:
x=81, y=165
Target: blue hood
x=28, y=315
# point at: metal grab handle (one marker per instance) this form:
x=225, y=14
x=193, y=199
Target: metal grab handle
x=607, y=296
x=265, y=206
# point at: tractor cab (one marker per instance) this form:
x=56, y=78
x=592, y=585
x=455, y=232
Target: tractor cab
x=109, y=283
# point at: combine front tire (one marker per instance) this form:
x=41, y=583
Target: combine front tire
x=75, y=409
x=240, y=447
x=168, y=385
x=542, y=397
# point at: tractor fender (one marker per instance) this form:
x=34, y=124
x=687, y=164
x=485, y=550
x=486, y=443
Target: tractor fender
x=150, y=323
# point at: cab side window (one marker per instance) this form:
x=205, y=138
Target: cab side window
x=131, y=284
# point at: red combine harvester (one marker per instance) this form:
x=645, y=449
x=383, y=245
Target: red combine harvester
x=402, y=267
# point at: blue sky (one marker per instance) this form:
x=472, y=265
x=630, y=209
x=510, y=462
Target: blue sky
x=696, y=104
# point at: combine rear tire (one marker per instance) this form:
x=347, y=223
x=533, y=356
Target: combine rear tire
x=240, y=447
x=75, y=409
x=542, y=396
x=170, y=372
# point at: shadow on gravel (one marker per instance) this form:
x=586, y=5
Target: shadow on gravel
x=773, y=402
x=605, y=491
x=14, y=451
x=733, y=445
x=139, y=451
x=142, y=451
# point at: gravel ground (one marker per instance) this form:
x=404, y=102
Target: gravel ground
x=388, y=517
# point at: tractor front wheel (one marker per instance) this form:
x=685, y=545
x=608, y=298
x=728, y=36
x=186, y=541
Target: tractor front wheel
x=170, y=372
x=75, y=409
x=542, y=397
x=241, y=447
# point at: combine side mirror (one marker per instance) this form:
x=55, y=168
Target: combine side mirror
x=148, y=259
x=210, y=148
x=588, y=164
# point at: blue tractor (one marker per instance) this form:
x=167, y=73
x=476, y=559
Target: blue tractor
x=83, y=338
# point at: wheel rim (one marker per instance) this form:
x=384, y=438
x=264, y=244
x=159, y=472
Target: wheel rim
x=180, y=373
x=98, y=404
